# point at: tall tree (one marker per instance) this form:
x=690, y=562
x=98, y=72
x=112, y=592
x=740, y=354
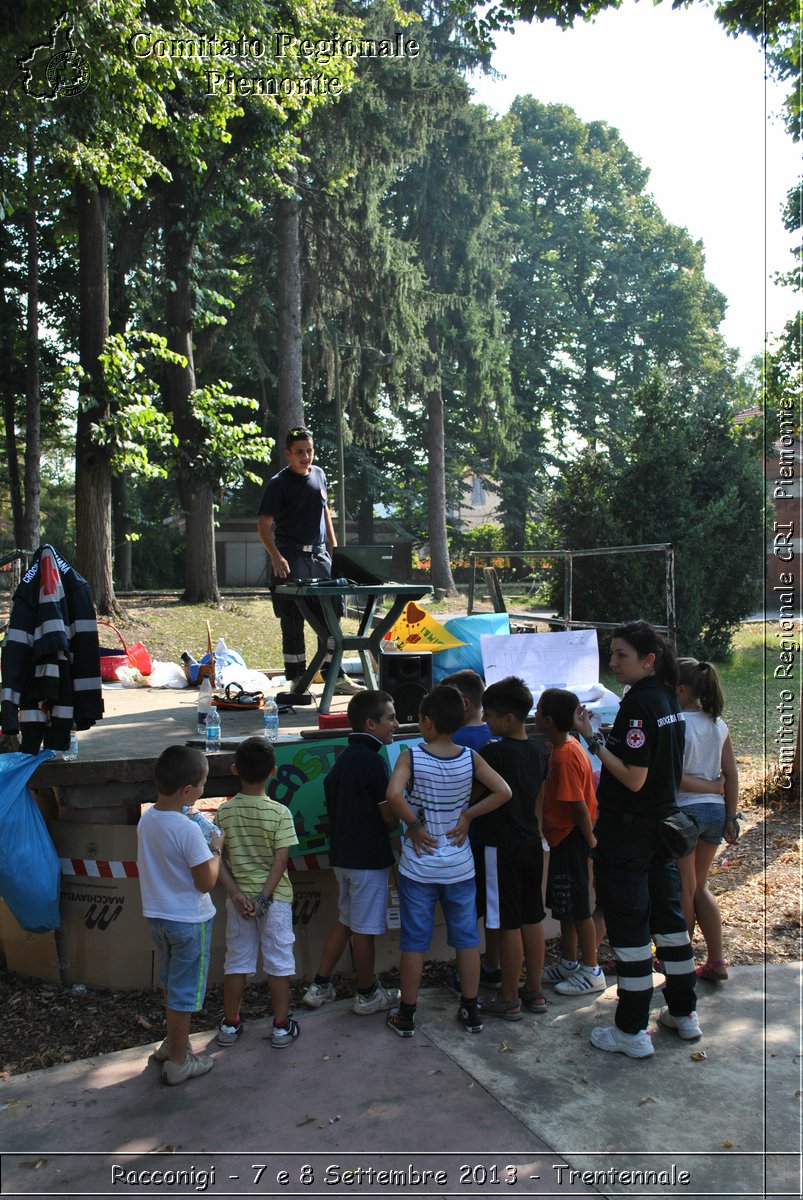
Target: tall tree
x=678, y=476
x=454, y=212
x=211, y=148
x=603, y=290
x=289, y=393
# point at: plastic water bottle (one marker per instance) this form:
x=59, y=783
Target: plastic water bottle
x=270, y=719
x=71, y=754
x=212, y=731
x=208, y=828
x=204, y=705
x=221, y=657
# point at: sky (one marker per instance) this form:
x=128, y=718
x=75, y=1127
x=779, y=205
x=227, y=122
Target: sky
x=694, y=105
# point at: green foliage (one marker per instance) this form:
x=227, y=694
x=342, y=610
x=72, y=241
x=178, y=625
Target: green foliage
x=136, y=426
x=603, y=291
x=693, y=482
x=482, y=537
x=157, y=557
x=229, y=443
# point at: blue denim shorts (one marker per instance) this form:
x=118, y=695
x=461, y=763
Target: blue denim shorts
x=417, y=902
x=184, y=951
x=710, y=818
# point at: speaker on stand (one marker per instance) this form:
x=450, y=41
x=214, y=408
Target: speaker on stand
x=407, y=678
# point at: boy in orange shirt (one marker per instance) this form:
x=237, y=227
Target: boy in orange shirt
x=570, y=809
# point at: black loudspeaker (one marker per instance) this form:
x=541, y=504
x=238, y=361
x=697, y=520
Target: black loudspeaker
x=407, y=678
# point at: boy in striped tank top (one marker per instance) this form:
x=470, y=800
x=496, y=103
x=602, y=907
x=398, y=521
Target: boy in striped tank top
x=429, y=791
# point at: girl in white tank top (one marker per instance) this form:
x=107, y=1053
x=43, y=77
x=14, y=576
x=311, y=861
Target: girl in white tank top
x=709, y=790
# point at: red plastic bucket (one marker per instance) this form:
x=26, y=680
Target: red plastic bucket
x=112, y=660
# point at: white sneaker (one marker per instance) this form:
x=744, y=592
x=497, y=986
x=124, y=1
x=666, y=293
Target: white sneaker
x=556, y=973
x=379, y=1000
x=194, y=1064
x=686, y=1027
x=581, y=981
x=634, y=1045
x=318, y=994
x=347, y=687
x=161, y=1053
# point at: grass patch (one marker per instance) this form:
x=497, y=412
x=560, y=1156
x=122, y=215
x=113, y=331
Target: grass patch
x=167, y=627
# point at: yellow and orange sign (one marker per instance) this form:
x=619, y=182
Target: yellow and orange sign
x=417, y=630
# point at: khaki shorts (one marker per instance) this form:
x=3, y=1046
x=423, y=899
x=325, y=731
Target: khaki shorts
x=272, y=933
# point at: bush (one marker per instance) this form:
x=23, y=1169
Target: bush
x=686, y=479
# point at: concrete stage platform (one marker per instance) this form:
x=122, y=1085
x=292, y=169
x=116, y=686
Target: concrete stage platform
x=140, y=722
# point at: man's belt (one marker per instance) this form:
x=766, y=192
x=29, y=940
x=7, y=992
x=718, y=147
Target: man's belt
x=303, y=549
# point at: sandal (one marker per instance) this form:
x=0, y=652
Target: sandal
x=508, y=1010
x=534, y=1002
x=714, y=972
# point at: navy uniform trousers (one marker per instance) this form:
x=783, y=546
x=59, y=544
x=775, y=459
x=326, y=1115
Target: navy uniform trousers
x=304, y=564
x=638, y=891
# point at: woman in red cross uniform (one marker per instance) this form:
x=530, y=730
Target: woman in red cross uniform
x=638, y=887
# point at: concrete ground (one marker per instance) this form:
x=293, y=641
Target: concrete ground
x=523, y=1108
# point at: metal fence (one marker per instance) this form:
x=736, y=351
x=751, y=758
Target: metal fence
x=567, y=619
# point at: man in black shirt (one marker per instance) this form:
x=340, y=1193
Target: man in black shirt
x=295, y=527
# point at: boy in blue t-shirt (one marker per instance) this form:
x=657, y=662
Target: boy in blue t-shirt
x=473, y=732
x=430, y=790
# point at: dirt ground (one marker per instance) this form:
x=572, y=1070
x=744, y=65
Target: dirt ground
x=757, y=883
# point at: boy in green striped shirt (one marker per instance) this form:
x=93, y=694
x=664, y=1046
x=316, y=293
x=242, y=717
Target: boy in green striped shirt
x=259, y=909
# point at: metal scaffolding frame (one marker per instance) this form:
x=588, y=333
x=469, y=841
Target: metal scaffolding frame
x=567, y=620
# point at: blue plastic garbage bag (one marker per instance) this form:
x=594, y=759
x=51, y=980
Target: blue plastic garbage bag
x=468, y=630
x=30, y=872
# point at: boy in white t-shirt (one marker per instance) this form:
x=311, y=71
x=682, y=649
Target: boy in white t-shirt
x=177, y=871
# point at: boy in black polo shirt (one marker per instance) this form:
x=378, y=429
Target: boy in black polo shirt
x=509, y=857
x=360, y=822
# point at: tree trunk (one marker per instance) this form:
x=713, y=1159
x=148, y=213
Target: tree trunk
x=128, y=239
x=194, y=485
x=122, y=528
x=10, y=384
x=30, y=530
x=201, y=562
x=365, y=521
x=93, y=490
x=289, y=400
x=441, y=570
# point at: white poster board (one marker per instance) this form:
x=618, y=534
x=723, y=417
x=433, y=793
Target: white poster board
x=566, y=660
